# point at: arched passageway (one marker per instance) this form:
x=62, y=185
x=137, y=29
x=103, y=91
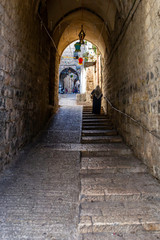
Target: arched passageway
x=127, y=35
x=76, y=77
x=80, y=181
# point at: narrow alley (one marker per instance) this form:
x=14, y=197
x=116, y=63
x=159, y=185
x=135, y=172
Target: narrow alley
x=62, y=189
x=79, y=120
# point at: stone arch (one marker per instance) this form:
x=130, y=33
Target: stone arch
x=70, y=26
x=64, y=73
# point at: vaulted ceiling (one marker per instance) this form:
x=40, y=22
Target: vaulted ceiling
x=70, y=27
x=105, y=9
x=65, y=18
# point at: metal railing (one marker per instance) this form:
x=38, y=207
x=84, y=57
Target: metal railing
x=134, y=120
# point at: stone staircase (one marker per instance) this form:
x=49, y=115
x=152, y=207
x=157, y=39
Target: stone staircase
x=119, y=199
x=97, y=128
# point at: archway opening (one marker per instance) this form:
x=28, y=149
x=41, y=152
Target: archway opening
x=69, y=81
x=80, y=70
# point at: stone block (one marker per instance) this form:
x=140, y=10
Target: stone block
x=81, y=98
x=2, y=103
x=8, y=93
x=1, y=75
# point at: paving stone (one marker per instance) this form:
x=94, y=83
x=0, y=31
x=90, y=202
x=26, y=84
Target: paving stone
x=120, y=236
x=119, y=185
x=91, y=150
x=117, y=216
x=40, y=193
x=112, y=164
x=37, y=197
x=63, y=136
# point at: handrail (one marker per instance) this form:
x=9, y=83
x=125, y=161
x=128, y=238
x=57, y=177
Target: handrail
x=137, y=122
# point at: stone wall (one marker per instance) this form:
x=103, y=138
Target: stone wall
x=132, y=82
x=91, y=83
x=54, y=79
x=90, y=78
x=24, y=76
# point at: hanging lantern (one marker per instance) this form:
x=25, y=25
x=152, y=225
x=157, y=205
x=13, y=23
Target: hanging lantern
x=80, y=61
x=82, y=35
x=77, y=47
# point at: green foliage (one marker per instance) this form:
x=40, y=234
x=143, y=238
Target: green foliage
x=94, y=49
x=85, y=55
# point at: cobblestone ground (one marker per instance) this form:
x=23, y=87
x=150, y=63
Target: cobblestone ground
x=39, y=195
x=61, y=189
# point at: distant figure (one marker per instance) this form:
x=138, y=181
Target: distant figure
x=66, y=90
x=96, y=95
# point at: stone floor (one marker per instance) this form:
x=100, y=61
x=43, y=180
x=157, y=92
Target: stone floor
x=61, y=189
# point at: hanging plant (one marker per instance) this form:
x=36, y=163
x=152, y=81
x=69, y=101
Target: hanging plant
x=85, y=55
x=94, y=49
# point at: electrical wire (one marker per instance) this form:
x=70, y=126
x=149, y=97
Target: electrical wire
x=137, y=122
x=48, y=34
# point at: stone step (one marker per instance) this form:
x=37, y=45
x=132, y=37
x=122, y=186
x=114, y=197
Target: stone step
x=103, y=150
x=90, y=109
x=119, y=186
x=89, y=113
x=137, y=169
x=120, y=216
x=89, y=106
x=119, y=199
x=122, y=164
x=104, y=123
x=93, y=116
x=101, y=139
x=99, y=132
x=96, y=120
x=120, y=236
x=97, y=127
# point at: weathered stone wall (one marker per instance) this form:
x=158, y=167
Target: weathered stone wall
x=24, y=76
x=91, y=81
x=54, y=79
x=90, y=78
x=133, y=82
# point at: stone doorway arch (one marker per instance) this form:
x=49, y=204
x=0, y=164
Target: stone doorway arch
x=68, y=80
